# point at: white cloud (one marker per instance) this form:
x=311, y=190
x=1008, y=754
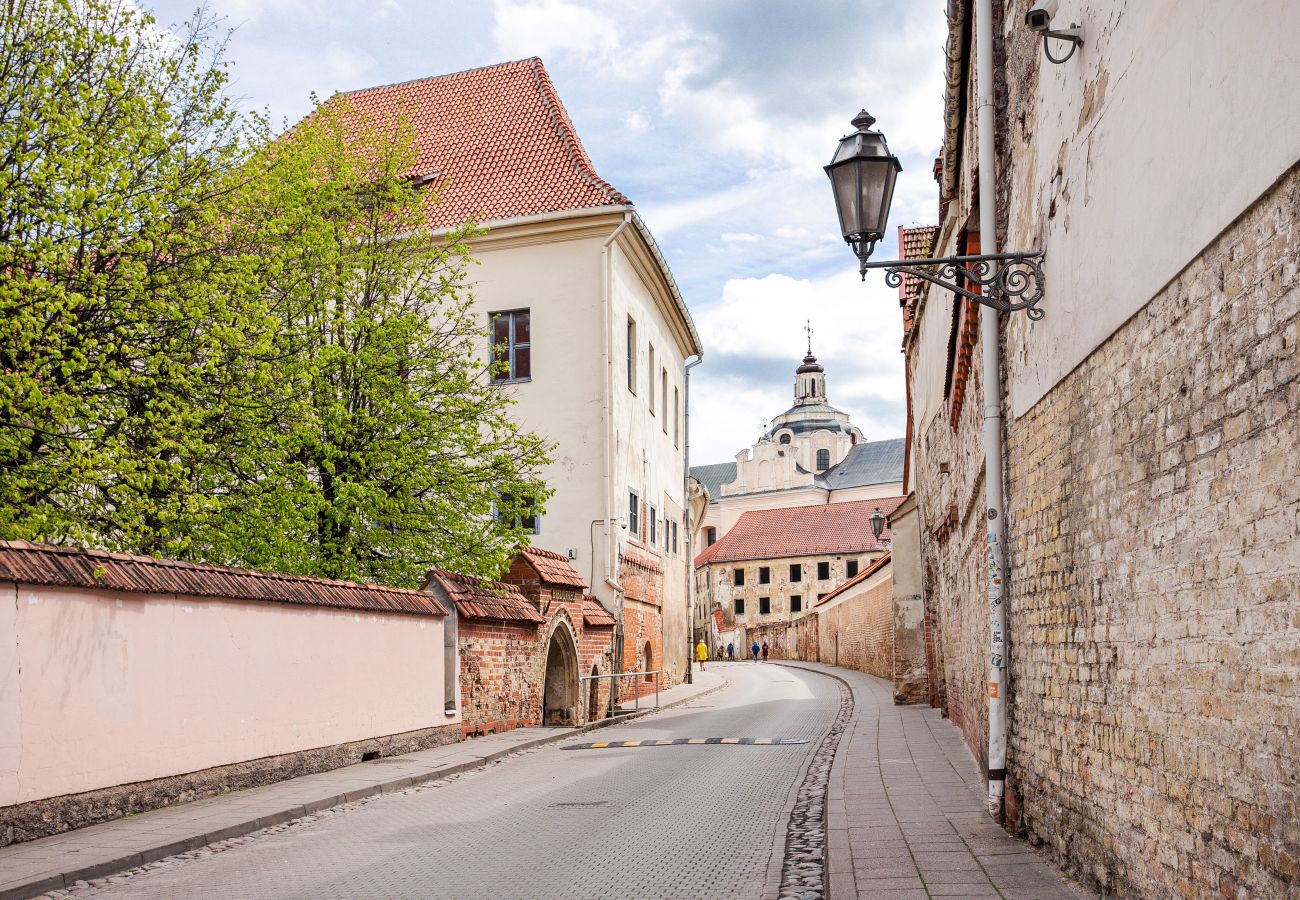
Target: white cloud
x=758, y=325
x=637, y=121
x=554, y=27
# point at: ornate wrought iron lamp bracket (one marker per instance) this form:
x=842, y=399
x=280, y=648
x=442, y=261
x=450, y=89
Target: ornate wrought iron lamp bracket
x=1015, y=284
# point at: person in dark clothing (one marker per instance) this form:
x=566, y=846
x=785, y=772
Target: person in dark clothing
x=731, y=652
x=754, y=651
x=764, y=651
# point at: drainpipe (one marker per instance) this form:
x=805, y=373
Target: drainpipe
x=690, y=528
x=995, y=515
x=607, y=268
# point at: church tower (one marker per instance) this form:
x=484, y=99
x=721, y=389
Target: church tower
x=809, y=378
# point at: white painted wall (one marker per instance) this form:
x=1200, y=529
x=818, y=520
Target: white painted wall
x=557, y=270
x=101, y=689
x=1199, y=116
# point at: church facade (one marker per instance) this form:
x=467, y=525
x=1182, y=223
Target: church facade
x=789, y=520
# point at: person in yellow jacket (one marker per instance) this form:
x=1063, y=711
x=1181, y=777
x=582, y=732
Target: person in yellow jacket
x=701, y=654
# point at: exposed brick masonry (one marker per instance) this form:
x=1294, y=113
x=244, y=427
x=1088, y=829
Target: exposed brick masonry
x=1155, y=557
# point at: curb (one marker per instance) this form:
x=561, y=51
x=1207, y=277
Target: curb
x=831, y=795
x=171, y=846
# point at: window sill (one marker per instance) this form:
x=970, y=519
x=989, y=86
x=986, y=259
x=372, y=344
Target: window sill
x=513, y=380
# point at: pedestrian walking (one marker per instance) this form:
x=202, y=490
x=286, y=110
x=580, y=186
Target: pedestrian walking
x=754, y=650
x=701, y=654
x=764, y=651
x=731, y=652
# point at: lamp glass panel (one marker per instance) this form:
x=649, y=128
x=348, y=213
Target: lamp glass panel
x=877, y=178
x=844, y=181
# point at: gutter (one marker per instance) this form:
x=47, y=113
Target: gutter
x=991, y=378
x=690, y=529
x=607, y=271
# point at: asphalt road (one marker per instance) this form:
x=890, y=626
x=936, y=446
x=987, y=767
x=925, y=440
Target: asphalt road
x=668, y=821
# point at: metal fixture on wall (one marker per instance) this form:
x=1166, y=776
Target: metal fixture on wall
x=862, y=174
x=877, y=523
x=1039, y=18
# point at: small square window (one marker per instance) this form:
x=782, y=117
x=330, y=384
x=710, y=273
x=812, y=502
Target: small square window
x=823, y=571
x=796, y=573
x=710, y=536
x=764, y=605
x=796, y=603
x=764, y=575
x=738, y=577
x=740, y=606
x=851, y=568
x=525, y=515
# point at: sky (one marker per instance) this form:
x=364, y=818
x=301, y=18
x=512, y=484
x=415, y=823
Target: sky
x=715, y=117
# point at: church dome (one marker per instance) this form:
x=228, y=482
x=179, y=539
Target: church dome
x=810, y=364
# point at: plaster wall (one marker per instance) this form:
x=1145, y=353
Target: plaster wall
x=559, y=282
x=1160, y=125
x=648, y=445
x=103, y=689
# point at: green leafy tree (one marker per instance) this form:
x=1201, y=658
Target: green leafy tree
x=393, y=450
x=221, y=346
x=115, y=137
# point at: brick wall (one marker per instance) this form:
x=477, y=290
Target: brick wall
x=500, y=675
x=1155, y=562
x=858, y=632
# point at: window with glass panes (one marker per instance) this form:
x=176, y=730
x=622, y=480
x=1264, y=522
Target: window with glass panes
x=512, y=348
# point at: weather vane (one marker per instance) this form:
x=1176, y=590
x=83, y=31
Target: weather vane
x=807, y=327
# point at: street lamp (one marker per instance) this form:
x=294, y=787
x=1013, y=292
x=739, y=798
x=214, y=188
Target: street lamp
x=862, y=174
x=877, y=523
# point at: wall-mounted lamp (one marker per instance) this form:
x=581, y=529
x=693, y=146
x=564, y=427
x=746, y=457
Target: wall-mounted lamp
x=1039, y=18
x=877, y=523
x=862, y=174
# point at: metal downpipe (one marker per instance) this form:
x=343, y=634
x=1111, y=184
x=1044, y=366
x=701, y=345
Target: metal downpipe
x=991, y=377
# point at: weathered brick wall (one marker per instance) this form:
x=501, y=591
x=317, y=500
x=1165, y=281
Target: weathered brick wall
x=500, y=676
x=785, y=640
x=858, y=633
x=1155, y=570
x=949, y=466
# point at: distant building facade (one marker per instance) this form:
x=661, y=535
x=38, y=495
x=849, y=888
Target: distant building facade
x=589, y=320
x=810, y=457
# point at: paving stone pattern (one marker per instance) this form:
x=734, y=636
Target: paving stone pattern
x=803, y=873
x=680, y=821
x=905, y=811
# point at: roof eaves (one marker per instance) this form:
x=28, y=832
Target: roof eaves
x=697, y=346
x=857, y=579
x=559, y=117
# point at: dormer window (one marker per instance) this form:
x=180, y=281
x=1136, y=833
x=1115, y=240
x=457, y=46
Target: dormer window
x=823, y=460
x=785, y=439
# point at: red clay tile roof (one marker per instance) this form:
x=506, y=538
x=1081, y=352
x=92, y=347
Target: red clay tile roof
x=857, y=579
x=479, y=599
x=496, y=139
x=43, y=564
x=553, y=568
x=801, y=531
x=595, y=614
x=913, y=243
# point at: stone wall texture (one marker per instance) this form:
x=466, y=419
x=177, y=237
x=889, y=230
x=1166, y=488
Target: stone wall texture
x=1155, y=571
x=858, y=633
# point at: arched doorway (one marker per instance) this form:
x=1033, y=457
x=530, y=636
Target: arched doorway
x=560, y=693
x=649, y=661
x=594, y=711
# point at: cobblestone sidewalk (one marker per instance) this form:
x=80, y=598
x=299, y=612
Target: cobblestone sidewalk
x=35, y=867
x=905, y=811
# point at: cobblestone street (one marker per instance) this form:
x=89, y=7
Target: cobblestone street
x=565, y=820
x=556, y=822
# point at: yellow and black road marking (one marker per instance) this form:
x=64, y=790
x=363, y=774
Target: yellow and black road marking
x=680, y=742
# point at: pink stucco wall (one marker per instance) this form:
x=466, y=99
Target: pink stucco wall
x=99, y=689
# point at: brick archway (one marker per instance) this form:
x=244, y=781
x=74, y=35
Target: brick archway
x=560, y=697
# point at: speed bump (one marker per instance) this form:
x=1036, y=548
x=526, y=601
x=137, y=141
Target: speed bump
x=678, y=742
